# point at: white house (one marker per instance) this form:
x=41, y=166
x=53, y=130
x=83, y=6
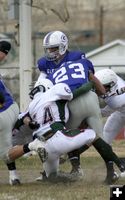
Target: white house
x=111, y=55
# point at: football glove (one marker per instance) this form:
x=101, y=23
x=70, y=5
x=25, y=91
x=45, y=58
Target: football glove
x=34, y=125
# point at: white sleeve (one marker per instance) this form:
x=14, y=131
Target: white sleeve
x=42, y=75
x=21, y=115
x=106, y=111
x=62, y=91
x=116, y=102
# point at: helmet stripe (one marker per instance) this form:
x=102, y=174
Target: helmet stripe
x=48, y=37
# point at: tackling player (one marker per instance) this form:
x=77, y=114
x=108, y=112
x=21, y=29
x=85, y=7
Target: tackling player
x=49, y=109
x=55, y=45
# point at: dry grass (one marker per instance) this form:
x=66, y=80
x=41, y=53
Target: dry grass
x=91, y=187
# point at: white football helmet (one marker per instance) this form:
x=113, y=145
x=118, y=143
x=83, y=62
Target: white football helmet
x=42, y=85
x=108, y=78
x=57, y=41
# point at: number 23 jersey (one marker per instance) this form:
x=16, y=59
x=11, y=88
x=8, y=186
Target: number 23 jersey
x=73, y=73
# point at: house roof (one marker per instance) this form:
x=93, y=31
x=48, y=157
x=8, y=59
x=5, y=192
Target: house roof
x=105, y=47
x=111, y=55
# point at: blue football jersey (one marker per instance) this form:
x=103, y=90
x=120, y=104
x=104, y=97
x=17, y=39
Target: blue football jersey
x=50, y=66
x=8, y=97
x=73, y=73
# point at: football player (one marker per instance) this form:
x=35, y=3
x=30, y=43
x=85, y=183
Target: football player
x=55, y=45
x=49, y=109
x=8, y=115
x=115, y=104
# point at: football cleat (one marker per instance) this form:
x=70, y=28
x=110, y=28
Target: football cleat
x=14, y=181
x=77, y=172
x=111, y=178
x=42, y=177
x=122, y=175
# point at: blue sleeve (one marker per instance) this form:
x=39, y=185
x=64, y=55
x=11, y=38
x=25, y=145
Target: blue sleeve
x=41, y=63
x=90, y=66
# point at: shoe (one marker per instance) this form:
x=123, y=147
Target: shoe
x=111, y=178
x=42, y=177
x=122, y=169
x=122, y=175
x=33, y=146
x=14, y=181
x=63, y=159
x=77, y=172
x=122, y=160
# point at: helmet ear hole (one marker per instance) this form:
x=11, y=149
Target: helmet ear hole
x=42, y=88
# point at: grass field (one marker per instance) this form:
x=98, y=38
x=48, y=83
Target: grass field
x=91, y=187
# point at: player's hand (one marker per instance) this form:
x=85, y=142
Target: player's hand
x=34, y=125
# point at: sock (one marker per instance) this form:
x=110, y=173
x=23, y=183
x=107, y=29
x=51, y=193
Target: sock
x=26, y=148
x=83, y=148
x=11, y=166
x=12, y=170
x=106, y=152
x=13, y=174
x=74, y=158
x=109, y=167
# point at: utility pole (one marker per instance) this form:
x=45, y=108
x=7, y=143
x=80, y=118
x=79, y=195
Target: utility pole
x=25, y=52
x=101, y=25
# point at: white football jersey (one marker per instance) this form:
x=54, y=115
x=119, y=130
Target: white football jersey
x=46, y=108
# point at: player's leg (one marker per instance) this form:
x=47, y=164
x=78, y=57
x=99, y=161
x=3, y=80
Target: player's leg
x=80, y=109
x=111, y=175
x=51, y=165
x=17, y=151
x=63, y=142
x=112, y=126
x=7, y=120
x=106, y=152
x=95, y=122
x=22, y=136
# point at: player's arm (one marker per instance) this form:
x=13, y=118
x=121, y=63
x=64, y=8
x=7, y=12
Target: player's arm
x=106, y=111
x=116, y=102
x=61, y=91
x=100, y=89
x=83, y=89
x=26, y=120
